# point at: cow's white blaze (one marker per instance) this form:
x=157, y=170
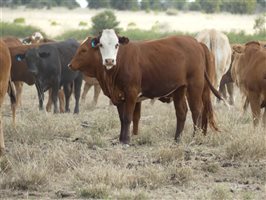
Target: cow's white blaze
x=37, y=36
x=109, y=47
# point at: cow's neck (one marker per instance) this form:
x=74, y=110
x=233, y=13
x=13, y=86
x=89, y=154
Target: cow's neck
x=108, y=81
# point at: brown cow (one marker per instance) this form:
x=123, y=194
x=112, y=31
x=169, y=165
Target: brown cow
x=248, y=71
x=5, y=66
x=13, y=42
x=175, y=67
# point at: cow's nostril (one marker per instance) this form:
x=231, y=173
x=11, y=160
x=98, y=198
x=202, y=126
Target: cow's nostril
x=113, y=61
x=69, y=65
x=109, y=61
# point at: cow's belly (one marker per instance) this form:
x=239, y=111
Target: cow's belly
x=159, y=90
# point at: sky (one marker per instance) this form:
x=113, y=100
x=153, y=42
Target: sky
x=82, y=3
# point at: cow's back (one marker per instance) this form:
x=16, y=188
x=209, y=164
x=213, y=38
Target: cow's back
x=65, y=51
x=12, y=41
x=173, y=60
x=219, y=45
x=19, y=69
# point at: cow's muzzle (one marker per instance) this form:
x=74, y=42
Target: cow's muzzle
x=70, y=66
x=33, y=71
x=109, y=63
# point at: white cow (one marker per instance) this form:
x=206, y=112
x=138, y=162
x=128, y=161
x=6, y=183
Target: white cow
x=219, y=45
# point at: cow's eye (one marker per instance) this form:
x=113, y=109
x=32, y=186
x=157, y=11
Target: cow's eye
x=116, y=46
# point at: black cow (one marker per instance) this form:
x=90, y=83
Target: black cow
x=48, y=63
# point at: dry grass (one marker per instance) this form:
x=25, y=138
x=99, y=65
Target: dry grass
x=78, y=156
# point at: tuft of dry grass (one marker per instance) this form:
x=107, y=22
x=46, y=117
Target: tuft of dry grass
x=220, y=192
x=180, y=176
x=247, y=146
x=94, y=192
x=168, y=155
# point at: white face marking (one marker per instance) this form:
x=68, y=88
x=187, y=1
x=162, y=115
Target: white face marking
x=109, y=48
x=37, y=36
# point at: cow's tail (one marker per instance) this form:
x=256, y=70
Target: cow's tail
x=226, y=78
x=13, y=100
x=208, y=114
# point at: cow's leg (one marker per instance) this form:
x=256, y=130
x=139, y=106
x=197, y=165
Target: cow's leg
x=180, y=110
x=230, y=90
x=125, y=111
x=255, y=106
x=194, y=96
x=136, y=118
x=40, y=95
x=2, y=143
x=67, y=91
x=61, y=97
x=97, y=91
x=86, y=89
x=245, y=106
x=54, y=94
x=49, y=103
x=19, y=87
x=264, y=118
x=77, y=89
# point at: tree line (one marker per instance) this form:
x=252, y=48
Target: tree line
x=208, y=6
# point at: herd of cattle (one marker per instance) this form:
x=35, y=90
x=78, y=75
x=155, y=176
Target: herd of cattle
x=177, y=68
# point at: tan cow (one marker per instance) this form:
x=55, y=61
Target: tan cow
x=5, y=67
x=219, y=45
x=248, y=71
x=89, y=82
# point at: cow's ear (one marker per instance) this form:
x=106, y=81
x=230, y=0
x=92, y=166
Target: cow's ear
x=239, y=48
x=94, y=42
x=44, y=54
x=123, y=40
x=20, y=57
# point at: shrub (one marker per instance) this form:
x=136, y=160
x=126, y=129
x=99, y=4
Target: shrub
x=77, y=34
x=19, y=20
x=260, y=24
x=54, y=23
x=104, y=20
x=171, y=12
x=81, y=23
x=17, y=30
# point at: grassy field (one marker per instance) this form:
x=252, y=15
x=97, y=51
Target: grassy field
x=78, y=156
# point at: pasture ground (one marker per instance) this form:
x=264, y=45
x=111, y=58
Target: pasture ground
x=78, y=156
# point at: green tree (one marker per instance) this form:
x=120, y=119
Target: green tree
x=239, y=6
x=104, y=20
x=99, y=4
x=178, y=4
x=209, y=6
x=155, y=4
x=124, y=4
x=145, y=4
